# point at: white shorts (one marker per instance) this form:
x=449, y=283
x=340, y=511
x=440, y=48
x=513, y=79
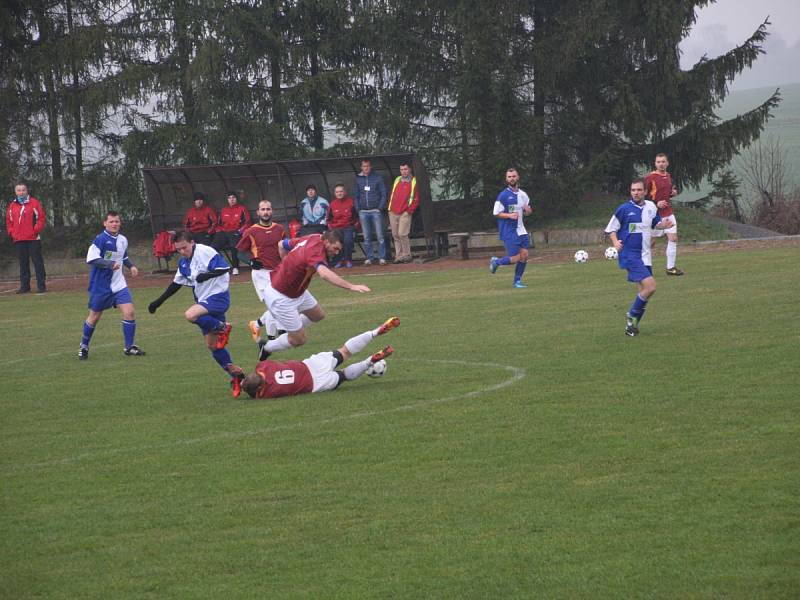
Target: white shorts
x=286, y=311
x=323, y=371
x=674, y=229
x=261, y=281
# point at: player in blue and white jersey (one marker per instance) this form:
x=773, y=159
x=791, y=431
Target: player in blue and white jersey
x=107, y=286
x=630, y=230
x=208, y=274
x=511, y=206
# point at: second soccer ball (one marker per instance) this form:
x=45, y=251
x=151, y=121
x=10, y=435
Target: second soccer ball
x=611, y=253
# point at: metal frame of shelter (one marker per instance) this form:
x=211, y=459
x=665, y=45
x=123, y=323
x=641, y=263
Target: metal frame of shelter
x=170, y=190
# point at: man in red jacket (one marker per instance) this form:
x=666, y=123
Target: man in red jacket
x=25, y=219
x=233, y=220
x=342, y=215
x=402, y=204
x=200, y=220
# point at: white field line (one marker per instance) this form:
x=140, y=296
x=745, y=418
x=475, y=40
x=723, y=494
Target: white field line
x=516, y=374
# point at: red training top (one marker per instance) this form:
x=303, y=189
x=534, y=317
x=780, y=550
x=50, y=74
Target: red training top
x=24, y=222
x=297, y=268
x=200, y=220
x=284, y=379
x=398, y=203
x=261, y=241
x=340, y=213
x=234, y=218
x=658, y=187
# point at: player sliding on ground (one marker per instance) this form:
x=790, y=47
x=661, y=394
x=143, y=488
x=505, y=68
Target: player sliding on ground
x=317, y=373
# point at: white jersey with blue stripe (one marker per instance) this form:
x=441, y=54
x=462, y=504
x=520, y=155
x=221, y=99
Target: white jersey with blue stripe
x=204, y=260
x=107, y=247
x=509, y=201
x=633, y=223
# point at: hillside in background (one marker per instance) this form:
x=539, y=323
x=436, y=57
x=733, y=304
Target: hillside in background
x=784, y=126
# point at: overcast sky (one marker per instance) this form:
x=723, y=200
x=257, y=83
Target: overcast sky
x=727, y=23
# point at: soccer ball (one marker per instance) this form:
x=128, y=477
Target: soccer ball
x=377, y=369
x=611, y=253
x=581, y=256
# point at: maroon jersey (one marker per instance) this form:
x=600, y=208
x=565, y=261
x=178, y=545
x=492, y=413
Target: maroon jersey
x=294, y=274
x=261, y=241
x=658, y=187
x=200, y=220
x=233, y=218
x=284, y=379
x=340, y=213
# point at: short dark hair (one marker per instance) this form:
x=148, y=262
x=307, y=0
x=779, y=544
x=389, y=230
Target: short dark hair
x=232, y=193
x=183, y=236
x=199, y=196
x=333, y=236
x=639, y=180
x=311, y=186
x=339, y=184
x=112, y=213
x=21, y=182
x=662, y=154
x=366, y=160
x=405, y=163
x=252, y=383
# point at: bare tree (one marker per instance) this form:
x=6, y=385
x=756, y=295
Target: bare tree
x=765, y=168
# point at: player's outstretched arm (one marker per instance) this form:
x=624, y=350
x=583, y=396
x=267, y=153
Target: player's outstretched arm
x=332, y=278
x=201, y=277
x=172, y=288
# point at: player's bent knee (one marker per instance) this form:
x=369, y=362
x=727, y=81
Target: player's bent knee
x=297, y=338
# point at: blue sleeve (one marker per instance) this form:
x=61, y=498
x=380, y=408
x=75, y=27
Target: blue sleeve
x=656, y=221
x=218, y=262
x=101, y=263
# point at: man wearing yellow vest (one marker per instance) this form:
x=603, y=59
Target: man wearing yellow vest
x=402, y=204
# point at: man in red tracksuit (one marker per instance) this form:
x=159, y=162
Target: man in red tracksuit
x=403, y=201
x=201, y=220
x=233, y=220
x=342, y=215
x=25, y=220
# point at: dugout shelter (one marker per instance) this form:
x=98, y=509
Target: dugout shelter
x=283, y=182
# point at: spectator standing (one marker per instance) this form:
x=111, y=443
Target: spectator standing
x=25, y=220
x=370, y=200
x=313, y=212
x=107, y=286
x=342, y=216
x=403, y=201
x=200, y=220
x=233, y=219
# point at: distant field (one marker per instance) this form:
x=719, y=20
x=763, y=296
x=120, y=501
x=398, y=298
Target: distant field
x=520, y=445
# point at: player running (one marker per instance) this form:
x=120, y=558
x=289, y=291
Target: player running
x=509, y=208
x=660, y=190
x=107, y=286
x=261, y=241
x=208, y=274
x=288, y=299
x=318, y=373
x=630, y=230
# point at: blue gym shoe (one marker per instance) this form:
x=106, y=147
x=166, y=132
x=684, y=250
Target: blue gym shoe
x=519, y=285
x=493, y=264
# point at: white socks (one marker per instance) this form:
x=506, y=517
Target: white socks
x=672, y=253
x=281, y=343
x=356, y=344
x=356, y=370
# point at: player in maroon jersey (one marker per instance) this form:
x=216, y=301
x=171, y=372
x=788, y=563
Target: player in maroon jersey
x=288, y=299
x=261, y=242
x=659, y=188
x=317, y=373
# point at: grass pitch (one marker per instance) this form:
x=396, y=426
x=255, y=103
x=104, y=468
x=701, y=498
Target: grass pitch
x=519, y=446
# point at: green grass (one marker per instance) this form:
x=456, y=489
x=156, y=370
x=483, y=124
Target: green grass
x=519, y=446
x=595, y=210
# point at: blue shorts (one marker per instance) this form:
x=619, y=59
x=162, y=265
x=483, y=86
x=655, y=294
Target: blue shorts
x=216, y=306
x=513, y=245
x=101, y=302
x=637, y=271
